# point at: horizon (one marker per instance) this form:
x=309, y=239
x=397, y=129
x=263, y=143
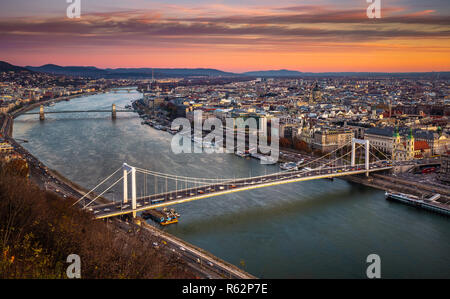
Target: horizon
x=217, y=69
x=232, y=36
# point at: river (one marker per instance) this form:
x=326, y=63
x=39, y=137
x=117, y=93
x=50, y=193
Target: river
x=315, y=229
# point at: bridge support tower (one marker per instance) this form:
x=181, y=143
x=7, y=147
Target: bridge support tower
x=41, y=113
x=126, y=170
x=113, y=111
x=367, y=154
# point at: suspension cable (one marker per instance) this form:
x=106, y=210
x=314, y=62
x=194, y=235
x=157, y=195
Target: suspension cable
x=96, y=186
x=121, y=178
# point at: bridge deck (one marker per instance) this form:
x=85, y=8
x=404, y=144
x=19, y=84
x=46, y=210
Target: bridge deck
x=238, y=185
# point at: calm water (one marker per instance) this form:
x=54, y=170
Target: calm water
x=317, y=229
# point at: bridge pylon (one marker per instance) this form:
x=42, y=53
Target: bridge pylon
x=126, y=169
x=41, y=113
x=113, y=111
x=367, y=153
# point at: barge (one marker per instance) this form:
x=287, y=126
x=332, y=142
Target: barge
x=164, y=217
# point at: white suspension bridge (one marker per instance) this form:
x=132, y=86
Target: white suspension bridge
x=161, y=190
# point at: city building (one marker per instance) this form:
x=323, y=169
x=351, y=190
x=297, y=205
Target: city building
x=403, y=149
x=329, y=139
x=382, y=138
x=444, y=172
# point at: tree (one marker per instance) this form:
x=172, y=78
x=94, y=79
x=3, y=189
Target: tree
x=301, y=146
x=285, y=142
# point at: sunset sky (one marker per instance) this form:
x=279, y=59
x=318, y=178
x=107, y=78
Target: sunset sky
x=244, y=35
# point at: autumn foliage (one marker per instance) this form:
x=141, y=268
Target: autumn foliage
x=38, y=230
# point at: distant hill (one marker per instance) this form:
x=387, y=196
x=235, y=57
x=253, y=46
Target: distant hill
x=86, y=71
x=171, y=72
x=274, y=73
x=7, y=67
x=146, y=73
x=90, y=71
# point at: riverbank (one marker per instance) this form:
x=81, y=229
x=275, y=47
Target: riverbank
x=200, y=256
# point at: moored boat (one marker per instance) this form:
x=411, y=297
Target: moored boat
x=428, y=204
x=289, y=166
x=164, y=217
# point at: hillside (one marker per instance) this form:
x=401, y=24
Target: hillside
x=38, y=230
x=7, y=67
x=138, y=73
x=89, y=71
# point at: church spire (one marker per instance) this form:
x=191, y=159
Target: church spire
x=396, y=134
x=410, y=135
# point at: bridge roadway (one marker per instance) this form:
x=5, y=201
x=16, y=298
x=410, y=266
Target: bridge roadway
x=237, y=185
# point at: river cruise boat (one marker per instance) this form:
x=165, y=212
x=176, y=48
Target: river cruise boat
x=427, y=204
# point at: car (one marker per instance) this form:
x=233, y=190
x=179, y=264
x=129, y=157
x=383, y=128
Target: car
x=182, y=248
x=201, y=191
x=211, y=264
x=106, y=210
x=155, y=244
x=233, y=186
x=221, y=187
x=179, y=196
